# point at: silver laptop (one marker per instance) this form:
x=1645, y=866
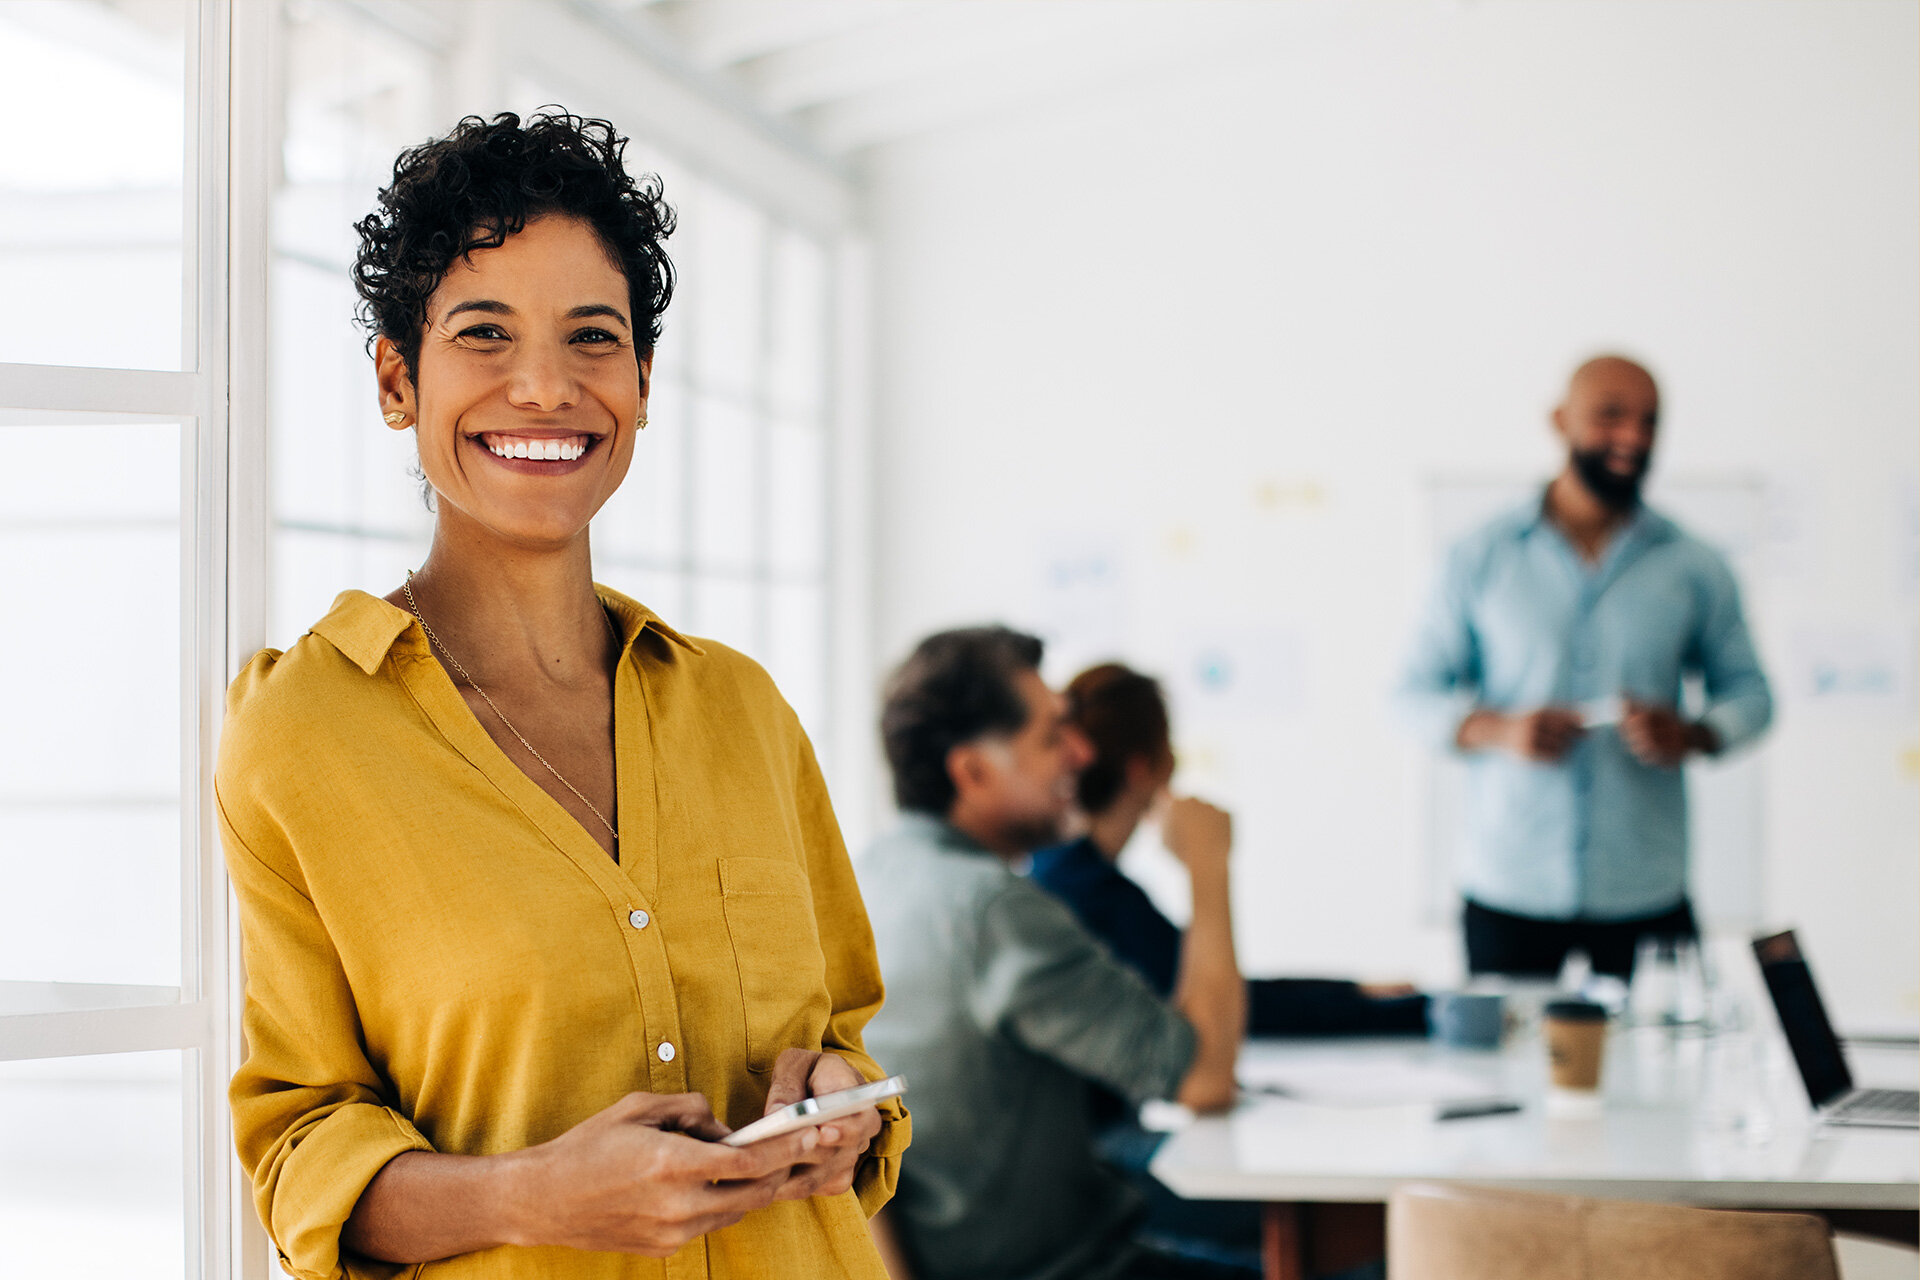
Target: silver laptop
x=1816, y=1049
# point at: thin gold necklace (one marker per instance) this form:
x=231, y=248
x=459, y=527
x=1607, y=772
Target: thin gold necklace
x=454, y=662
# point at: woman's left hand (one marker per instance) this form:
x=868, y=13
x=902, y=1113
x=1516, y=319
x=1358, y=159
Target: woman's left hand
x=828, y=1168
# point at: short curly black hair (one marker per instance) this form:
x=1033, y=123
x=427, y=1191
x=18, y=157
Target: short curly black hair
x=954, y=687
x=484, y=182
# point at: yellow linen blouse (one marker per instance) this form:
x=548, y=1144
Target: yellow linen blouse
x=440, y=958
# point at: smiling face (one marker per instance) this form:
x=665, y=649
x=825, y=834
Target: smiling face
x=1608, y=422
x=528, y=386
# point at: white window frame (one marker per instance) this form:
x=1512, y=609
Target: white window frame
x=221, y=400
x=222, y=487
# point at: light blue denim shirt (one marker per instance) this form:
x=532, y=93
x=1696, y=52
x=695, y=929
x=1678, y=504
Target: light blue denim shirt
x=1519, y=621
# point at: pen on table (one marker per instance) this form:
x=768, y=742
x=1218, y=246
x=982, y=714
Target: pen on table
x=1470, y=1108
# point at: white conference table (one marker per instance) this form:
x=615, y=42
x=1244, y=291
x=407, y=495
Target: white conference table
x=1658, y=1130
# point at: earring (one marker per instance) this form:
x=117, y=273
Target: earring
x=395, y=418
x=640, y=423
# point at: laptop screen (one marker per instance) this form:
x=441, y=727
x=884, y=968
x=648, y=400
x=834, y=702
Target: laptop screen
x=1816, y=1049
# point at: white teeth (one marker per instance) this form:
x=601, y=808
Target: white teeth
x=541, y=450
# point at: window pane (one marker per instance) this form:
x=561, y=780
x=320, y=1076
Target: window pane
x=797, y=500
x=797, y=653
x=797, y=364
x=725, y=272
x=311, y=568
x=93, y=207
x=92, y=1167
x=357, y=95
x=334, y=461
x=727, y=610
x=347, y=508
x=670, y=353
x=661, y=590
x=101, y=714
x=642, y=157
x=91, y=756
x=93, y=893
x=526, y=95
x=646, y=519
x=725, y=487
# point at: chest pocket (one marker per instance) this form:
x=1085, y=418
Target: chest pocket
x=776, y=950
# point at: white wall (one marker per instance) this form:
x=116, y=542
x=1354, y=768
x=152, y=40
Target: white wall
x=1168, y=369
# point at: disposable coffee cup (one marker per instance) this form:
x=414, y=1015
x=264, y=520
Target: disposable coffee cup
x=1576, y=1036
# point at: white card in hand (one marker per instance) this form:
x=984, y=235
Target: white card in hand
x=1602, y=713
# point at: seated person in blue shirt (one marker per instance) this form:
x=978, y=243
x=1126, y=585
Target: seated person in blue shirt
x=1123, y=716
x=1123, y=719
x=1551, y=657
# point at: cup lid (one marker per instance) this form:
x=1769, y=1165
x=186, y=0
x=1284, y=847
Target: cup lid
x=1576, y=1011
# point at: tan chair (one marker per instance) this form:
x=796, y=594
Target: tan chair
x=1472, y=1233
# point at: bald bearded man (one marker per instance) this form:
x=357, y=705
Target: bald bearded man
x=1551, y=657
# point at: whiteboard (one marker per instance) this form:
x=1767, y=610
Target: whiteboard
x=1724, y=798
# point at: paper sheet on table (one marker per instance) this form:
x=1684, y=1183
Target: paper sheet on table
x=1361, y=1084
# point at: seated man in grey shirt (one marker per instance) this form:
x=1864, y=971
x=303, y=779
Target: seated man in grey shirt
x=1002, y=1010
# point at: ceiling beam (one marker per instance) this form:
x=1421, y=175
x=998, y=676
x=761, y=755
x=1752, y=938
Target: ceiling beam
x=911, y=41
x=1054, y=51
x=624, y=61
x=716, y=34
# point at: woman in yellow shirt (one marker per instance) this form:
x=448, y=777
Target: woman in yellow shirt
x=538, y=896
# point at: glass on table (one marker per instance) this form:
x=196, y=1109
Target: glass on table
x=1651, y=989
x=1735, y=1095
x=1691, y=986
x=1669, y=985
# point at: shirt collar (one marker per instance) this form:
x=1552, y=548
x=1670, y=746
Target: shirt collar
x=1644, y=523
x=635, y=617
x=1079, y=859
x=1081, y=849
x=931, y=829
x=366, y=628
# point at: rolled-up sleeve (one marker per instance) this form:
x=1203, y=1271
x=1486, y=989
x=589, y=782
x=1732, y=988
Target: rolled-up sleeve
x=853, y=975
x=1439, y=681
x=311, y=1117
x=1043, y=980
x=1739, y=699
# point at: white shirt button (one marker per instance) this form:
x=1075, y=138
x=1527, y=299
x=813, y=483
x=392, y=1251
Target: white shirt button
x=639, y=919
x=666, y=1051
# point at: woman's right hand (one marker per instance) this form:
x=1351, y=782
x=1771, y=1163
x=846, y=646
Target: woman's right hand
x=646, y=1176
x=1199, y=834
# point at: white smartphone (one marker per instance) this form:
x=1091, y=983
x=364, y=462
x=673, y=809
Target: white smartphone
x=809, y=1112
